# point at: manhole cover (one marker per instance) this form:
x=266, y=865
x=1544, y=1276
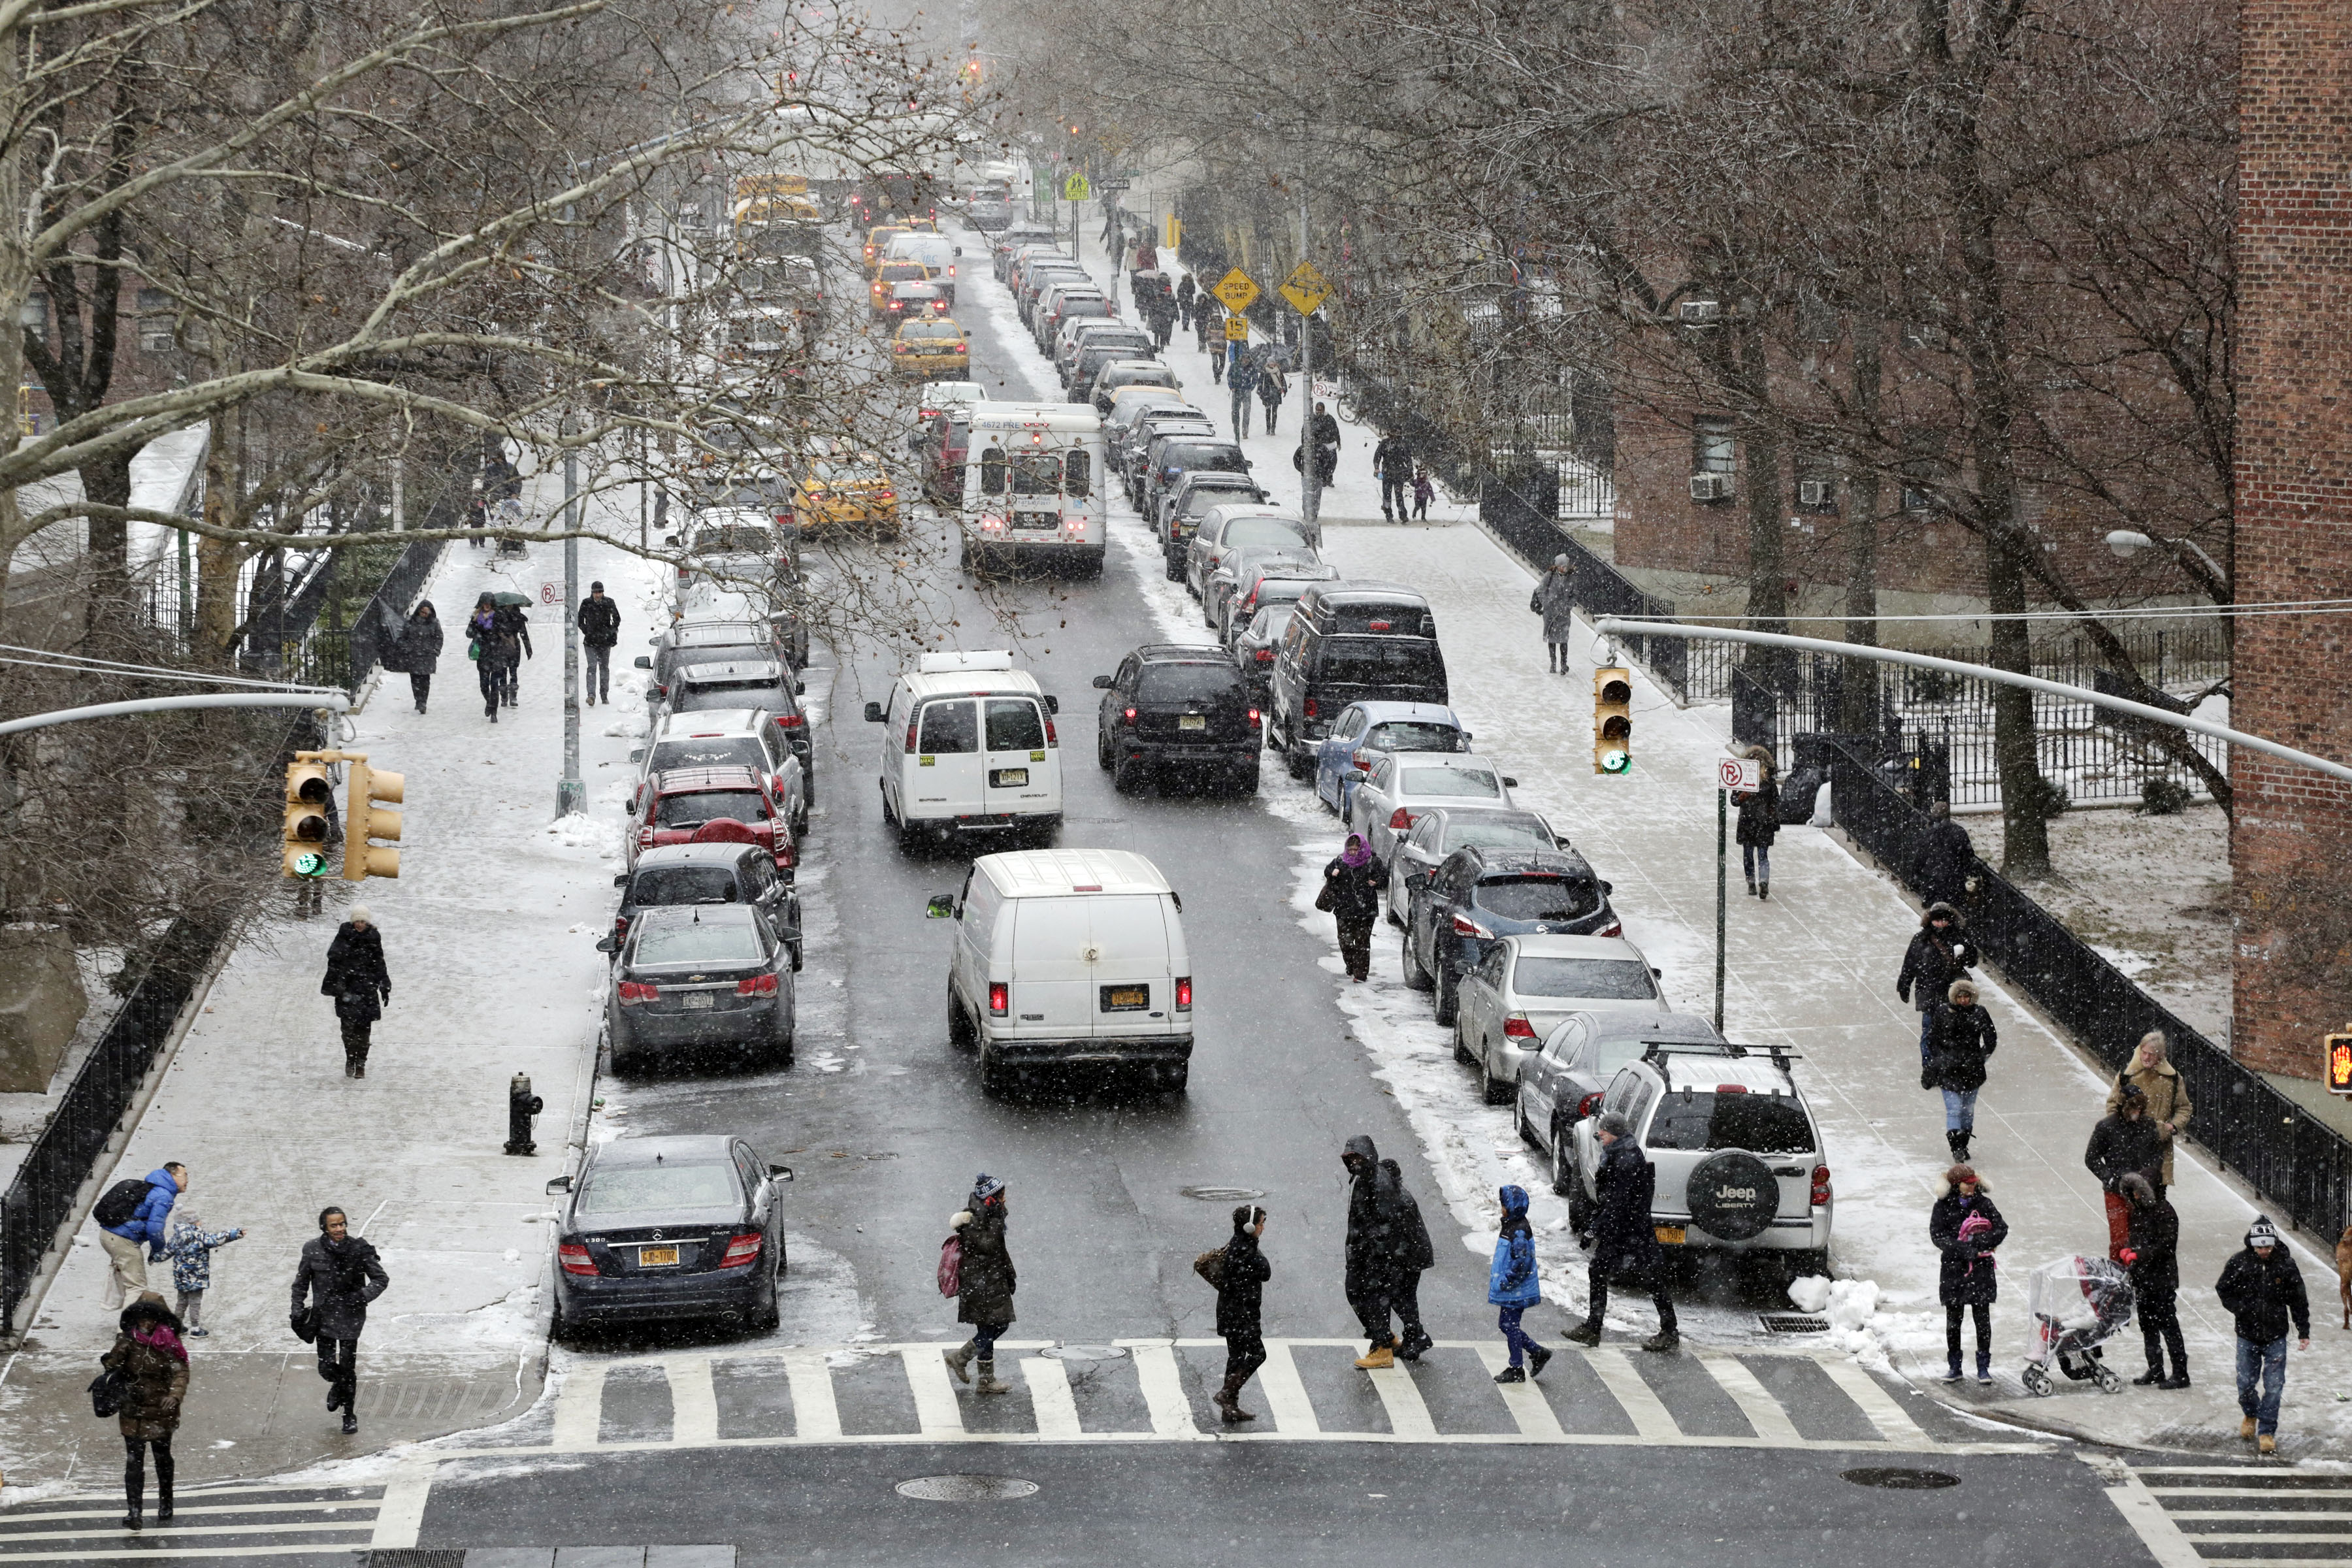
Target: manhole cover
x=966, y=1488
x=1792, y=1323
x=1222, y=1194
x=1901, y=1480
x=1083, y=1353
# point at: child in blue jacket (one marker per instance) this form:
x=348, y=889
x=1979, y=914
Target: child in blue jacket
x=191, y=1252
x=1511, y=1286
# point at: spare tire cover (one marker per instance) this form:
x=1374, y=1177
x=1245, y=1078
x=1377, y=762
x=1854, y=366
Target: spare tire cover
x=1733, y=1194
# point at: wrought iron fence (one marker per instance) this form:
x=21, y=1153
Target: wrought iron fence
x=2300, y=1166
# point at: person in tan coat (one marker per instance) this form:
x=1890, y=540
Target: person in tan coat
x=154, y=1367
x=2166, y=1092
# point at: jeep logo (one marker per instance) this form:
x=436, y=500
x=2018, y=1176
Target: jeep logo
x=1725, y=1195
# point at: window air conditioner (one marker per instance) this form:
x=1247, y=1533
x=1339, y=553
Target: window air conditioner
x=1815, y=492
x=1710, y=487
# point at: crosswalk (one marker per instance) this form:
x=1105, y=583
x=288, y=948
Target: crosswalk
x=233, y=1524
x=2250, y=1516
x=1158, y=1390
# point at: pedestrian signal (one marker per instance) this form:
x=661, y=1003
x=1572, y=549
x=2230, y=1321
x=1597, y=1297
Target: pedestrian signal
x=1613, y=720
x=308, y=792
x=2339, y=1062
x=363, y=821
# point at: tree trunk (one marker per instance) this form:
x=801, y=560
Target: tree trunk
x=110, y=609
x=218, y=561
x=1858, y=699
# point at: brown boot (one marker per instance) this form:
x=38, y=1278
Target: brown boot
x=960, y=1360
x=1228, y=1400
x=1381, y=1356
x=988, y=1383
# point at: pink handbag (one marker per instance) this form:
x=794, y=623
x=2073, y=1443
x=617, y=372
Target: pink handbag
x=952, y=1266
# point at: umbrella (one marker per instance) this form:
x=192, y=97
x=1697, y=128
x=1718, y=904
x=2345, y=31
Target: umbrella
x=510, y=597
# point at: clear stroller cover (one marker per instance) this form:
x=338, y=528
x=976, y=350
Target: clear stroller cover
x=2075, y=1304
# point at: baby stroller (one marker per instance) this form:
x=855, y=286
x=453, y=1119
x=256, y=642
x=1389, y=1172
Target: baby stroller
x=2076, y=1305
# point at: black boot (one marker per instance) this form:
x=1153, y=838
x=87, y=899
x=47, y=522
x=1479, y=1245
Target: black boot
x=2152, y=1378
x=1958, y=1143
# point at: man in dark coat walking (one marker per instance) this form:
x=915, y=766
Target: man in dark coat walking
x=1241, y=380
x=1241, y=1301
x=2154, y=1260
x=1351, y=891
x=985, y=1283
x=1945, y=859
x=338, y=1276
x=420, y=650
x=600, y=628
x=1185, y=289
x=1414, y=1254
x=2261, y=1288
x=1622, y=1232
x=360, y=984
x=1392, y=465
x=1938, y=954
x=1373, y=1220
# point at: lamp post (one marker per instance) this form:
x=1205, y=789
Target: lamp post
x=2126, y=542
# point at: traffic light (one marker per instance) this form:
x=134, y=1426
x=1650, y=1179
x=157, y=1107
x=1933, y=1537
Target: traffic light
x=1612, y=718
x=308, y=791
x=363, y=821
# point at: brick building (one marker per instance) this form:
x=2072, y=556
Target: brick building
x=2290, y=853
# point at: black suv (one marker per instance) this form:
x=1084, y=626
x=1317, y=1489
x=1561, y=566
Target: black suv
x=1482, y=894
x=1350, y=642
x=1176, y=706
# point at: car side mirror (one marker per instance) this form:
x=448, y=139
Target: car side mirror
x=1102, y=683
x=621, y=880
x=874, y=713
x=559, y=1185
x=940, y=908
x=1657, y=973
x=604, y=943
x=1607, y=889
x=637, y=755
x=780, y=1173
x=800, y=686
x=1053, y=704
x=643, y=662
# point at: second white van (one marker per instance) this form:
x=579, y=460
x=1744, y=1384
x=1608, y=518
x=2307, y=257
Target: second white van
x=969, y=746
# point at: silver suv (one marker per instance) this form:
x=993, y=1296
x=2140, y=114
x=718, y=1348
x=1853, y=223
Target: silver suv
x=1738, y=1156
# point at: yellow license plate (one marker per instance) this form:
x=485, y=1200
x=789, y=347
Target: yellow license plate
x=657, y=1258
x=1193, y=722
x=1670, y=1235
x=1127, y=996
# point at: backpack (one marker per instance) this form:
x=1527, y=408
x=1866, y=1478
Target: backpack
x=952, y=1266
x=1211, y=1266
x=118, y=1204
x=107, y=1391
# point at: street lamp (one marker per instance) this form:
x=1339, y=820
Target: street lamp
x=2126, y=542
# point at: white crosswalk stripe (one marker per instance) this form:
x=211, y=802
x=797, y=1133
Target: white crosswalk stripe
x=1156, y=1390
x=235, y=1523
x=2249, y=1516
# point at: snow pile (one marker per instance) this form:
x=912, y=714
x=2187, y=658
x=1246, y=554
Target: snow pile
x=577, y=830
x=1856, y=1325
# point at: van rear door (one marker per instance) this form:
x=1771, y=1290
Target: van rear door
x=1015, y=763
x=945, y=781
x=1052, y=979
x=1134, y=991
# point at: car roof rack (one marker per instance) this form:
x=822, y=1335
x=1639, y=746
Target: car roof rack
x=1652, y=1052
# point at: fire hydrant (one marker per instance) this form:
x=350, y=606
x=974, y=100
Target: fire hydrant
x=521, y=1106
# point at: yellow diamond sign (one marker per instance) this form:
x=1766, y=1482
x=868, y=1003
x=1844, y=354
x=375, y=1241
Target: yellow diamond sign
x=1236, y=290
x=1076, y=189
x=1306, y=289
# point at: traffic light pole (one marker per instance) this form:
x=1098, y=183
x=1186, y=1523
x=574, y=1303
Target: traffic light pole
x=330, y=701
x=570, y=795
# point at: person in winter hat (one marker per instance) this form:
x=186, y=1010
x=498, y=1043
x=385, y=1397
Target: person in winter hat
x=1966, y=1229
x=1938, y=954
x=191, y=1252
x=154, y=1367
x=336, y=1278
x=1623, y=1234
x=1241, y=380
x=2261, y=1288
x=1423, y=492
x=600, y=628
x=420, y=650
x=1512, y=1287
x=1964, y=1041
x=1374, y=1219
x=1351, y=891
x=1551, y=601
x=1945, y=863
x=1413, y=1255
x=986, y=1286
x=140, y=1238
x=2168, y=1107
x=2153, y=1257
x=2125, y=1142
x=1759, y=823
x=1241, y=1299
x=360, y=984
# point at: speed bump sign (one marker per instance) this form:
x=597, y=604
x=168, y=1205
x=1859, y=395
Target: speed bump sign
x=1236, y=290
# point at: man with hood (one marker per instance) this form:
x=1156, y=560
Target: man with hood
x=1551, y=601
x=1938, y=954
x=140, y=1238
x=1945, y=859
x=1241, y=1274
x=1512, y=1286
x=420, y=650
x=338, y=1276
x=1621, y=1233
x=1373, y=1222
x=360, y=984
x=984, y=1284
x=1414, y=1254
x=2263, y=1289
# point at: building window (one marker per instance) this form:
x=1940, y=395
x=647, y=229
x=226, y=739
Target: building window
x=154, y=321
x=34, y=317
x=1712, y=449
x=1923, y=469
x=1816, y=484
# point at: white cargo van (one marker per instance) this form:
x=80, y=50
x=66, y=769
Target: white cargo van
x=1065, y=957
x=968, y=744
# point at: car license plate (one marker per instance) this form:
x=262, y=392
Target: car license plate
x=1126, y=998
x=694, y=1001
x=1193, y=722
x=1670, y=1235
x=657, y=1258
x=1008, y=778
x=1036, y=519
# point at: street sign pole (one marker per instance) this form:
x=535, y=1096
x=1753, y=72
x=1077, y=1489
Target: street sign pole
x=570, y=795
x=1310, y=469
x=1722, y=838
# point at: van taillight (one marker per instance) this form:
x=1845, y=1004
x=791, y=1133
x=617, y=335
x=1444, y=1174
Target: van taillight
x=1183, y=991
x=910, y=732
x=1000, y=998
x=1821, y=1183
x=1052, y=738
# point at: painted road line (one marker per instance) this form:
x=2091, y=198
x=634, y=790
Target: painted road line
x=1163, y=1387
x=936, y=1411
x=1050, y=1397
x=1748, y=1391
x=1641, y=1405
x=402, y=1514
x=1408, y=1417
x=693, y=1403
x=1285, y=1393
x=580, y=1406
x=815, y=1417
x=1525, y=1401
x=1884, y=1410
x=2141, y=1509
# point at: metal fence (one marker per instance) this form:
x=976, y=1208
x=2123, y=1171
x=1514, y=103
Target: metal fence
x=2301, y=1167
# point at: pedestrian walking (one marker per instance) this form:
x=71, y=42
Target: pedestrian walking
x=1966, y=1229
x=1209, y=325
x=2166, y=1092
x=1938, y=954
x=1423, y=492
x=985, y=1284
x=1944, y=866
x=1323, y=434
x=1371, y=1249
x=1185, y=290
x=1241, y=380
x=501, y=637
x=191, y=1252
x=420, y=650
x=1273, y=386
x=600, y=628
x=338, y=1276
x=1392, y=464
x=360, y=984
x=1551, y=601
x=1622, y=1234
x=1512, y=1287
x=1760, y=823
x=1161, y=313
x=2124, y=1144
x=2261, y=1288
x=1414, y=1254
x=153, y=1367
x=1352, y=896
x=134, y=1225
x=1964, y=1039
x=2153, y=1258
x=1242, y=1273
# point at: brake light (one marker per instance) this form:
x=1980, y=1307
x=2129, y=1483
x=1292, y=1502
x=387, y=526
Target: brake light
x=1517, y=1027
x=902, y=348
x=1614, y=928
x=636, y=991
x=1731, y=1088
x=1312, y=711
x=1052, y=739
x=1000, y=998
x=910, y=731
x=1361, y=761
x=886, y=495
x=575, y=1258
x=1465, y=926
x=1130, y=718
x=1590, y=1105
x=786, y=856
x=1183, y=991
x=1264, y=655
x=620, y=930
x=1400, y=820
x=789, y=722
x=1821, y=1183
x=645, y=838
x=740, y=1249
x=756, y=986
x=1257, y=717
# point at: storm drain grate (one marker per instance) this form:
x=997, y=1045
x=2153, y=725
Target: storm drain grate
x=1901, y=1480
x=966, y=1488
x=1222, y=1194
x=1792, y=1323
x=414, y=1557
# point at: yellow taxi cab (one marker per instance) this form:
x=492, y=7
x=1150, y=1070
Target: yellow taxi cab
x=877, y=241
x=889, y=276
x=848, y=489
x=930, y=348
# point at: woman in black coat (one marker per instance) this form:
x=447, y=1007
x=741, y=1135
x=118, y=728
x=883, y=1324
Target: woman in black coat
x=1760, y=823
x=420, y=650
x=1961, y=1038
x=1351, y=891
x=2153, y=1256
x=985, y=1282
x=1966, y=1228
x=360, y=984
x=1938, y=954
x=339, y=1275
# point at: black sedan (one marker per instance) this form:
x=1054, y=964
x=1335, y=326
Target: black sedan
x=671, y=1227
x=1480, y=895
x=669, y=875
x=700, y=974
